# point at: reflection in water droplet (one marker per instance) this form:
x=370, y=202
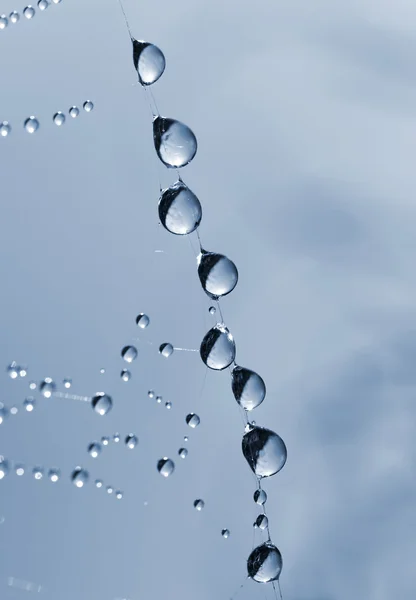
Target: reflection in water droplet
x=149, y=61
x=183, y=452
x=192, y=420
x=54, y=475
x=98, y=483
x=165, y=466
x=59, y=118
x=264, y=451
x=43, y=4
x=265, y=563
x=166, y=350
x=105, y=440
x=94, y=449
x=38, y=473
x=74, y=111
x=119, y=495
x=248, y=388
x=217, y=273
x=199, y=504
x=212, y=310
x=79, y=477
x=102, y=403
x=262, y=522
x=225, y=533
x=260, y=497
x=67, y=383
x=125, y=375
x=29, y=12
x=5, y=128
x=218, y=348
x=168, y=405
x=180, y=211
x=29, y=404
x=131, y=441
x=14, y=17
x=142, y=320
x=129, y=353
x=31, y=124
x=47, y=387
x=4, y=467
x=88, y=106
x=175, y=143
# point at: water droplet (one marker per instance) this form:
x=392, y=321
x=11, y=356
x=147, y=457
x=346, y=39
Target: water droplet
x=168, y=405
x=98, y=483
x=192, y=420
x=185, y=438
x=102, y=371
x=88, y=106
x=166, y=350
x=109, y=489
x=262, y=522
x=199, y=504
x=14, y=17
x=125, y=375
x=43, y=4
x=67, y=383
x=218, y=348
x=29, y=404
x=4, y=21
x=29, y=12
x=105, y=440
x=217, y=273
x=180, y=211
x=3, y=413
x=159, y=399
x=13, y=370
x=165, y=466
x=119, y=495
x=175, y=143
x=31, y=124
x=260, y=497
x=94, y=449
x=59, y=118
x=20, y=470
x=225, y=533
x=264, y=451
x=5, y=128
x=183, y=452
x=102, y=403
x=116, y=438
x=131, y=441
x=248, y=388
x=38, y=473
x=32, y=385
x=4, y=467
x=14, y=410
x=149, y=61
x=79, y=477
x=142, y=320
x=212, y=310
x=129, y=353
x=47, y=387
x=22, y=371
x=54, y=475
x=265, y=563
x=74, y=112
x=56, y=1
x=151, y=394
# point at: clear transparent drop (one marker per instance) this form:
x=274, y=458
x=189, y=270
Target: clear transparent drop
x=225, y=533
x=175, y=143
x=218, y=348
x=102, y=403
x=102, y=371
x=264, y=451
x=142, y=321
x=165, y=466
x=262, y=522
x=199, y=504
x=79, y=477
x=59, y=118
x=14, y=17
x=29, y=404
x=159, y=399
x=32, y=385
x=88, y=106
x=151, y=394
x=129, y=353
x=31, y=124
x=131, y=441
x=4, y=21
x=105, y=440
x=47, y=387
x=5, y=128
x=3, y=413
x=4, y=467
x=212, y=310
x=13, y=370
x=168, y=405
x=119, y=495
x=74, y=112
x=183, y=452
x=67, y=383
x=248, y=388
x=109, y=489
x=43, y=4
x=265, y=563
x=180, y=211
x=22, y=372
x=116, y=438
x=98, y=483
x=166, y=350
x=217, y=273
x=192, y=420
x=14, y=410
x=94, y=449
x=54, y=475
x=125, y=375
x=260, y=497
x=149, y=61
x=29, y=12
x=20, y=470
x=185, y=438
x=38, y=473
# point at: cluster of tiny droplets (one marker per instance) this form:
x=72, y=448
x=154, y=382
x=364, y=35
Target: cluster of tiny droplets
x=28, y=13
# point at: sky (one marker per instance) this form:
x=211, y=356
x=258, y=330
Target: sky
x=305, y=119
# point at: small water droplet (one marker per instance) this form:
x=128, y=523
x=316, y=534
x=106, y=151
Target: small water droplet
x=165, y=466
x=116, y=438
x=217, y=349
x=102, y=403
x=166, y=350
x=29, y=404
x=225, y=533
x=125, y=375
x=14, y=17
x=43, y=4
x=212, y=310
x=47, y=387
x=22, y=371
x=180, y=211
x=131, y=441
x=105, y=440
x=129, y=353
x=94, y=449
x=262, y=522
x=199, y=504
x=74, y=112
x=192, y=420
x=98, y=483
x=119, y=495
x=185, y=438
x=29, y=12
x=260, y=497
x=159, y=399
x=102, y=371
x=38, y=473
x=88, y=106
x=54, y=475
x=13, y=370
x=109, y=489
x=79, y=477
x=3, y=413
x=151, y=394
x=14, y=410
x=264, y=563
x=67, y=383
x=4, y=467
x=175, y=143
x=31, y=124
x=5, y=128
x=4, y=21
x=33, y=385
x=217, y=273
x=59, y=118
x=148, y=60
x=264, y=451
x=20, y=470
x=168, y=405
x=183, y=452
x=142, y=320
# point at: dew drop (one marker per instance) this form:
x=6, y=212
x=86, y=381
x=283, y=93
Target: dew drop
x=13, y=370
x=47, y=387
x=159, y=399
x=165, y=466
x=105, y=440
x=180, y=211
x=43, y=4
x=125, y=375
x=94, y=449
x=264, y=451
x=119, y=495
x=74, y=112
x=59, y=118
x=225, y=533
x=5, y=128
x=102, y=403
x=142, y=321
x=98, y=483
x=262, y=522
x=218, y=348
x=20, y=470
x=183, y=452
x=149, y=61
x=168, y=405
x=248, y=388
x=79, y=477
x=212, y=310
x=88, y=106
x=14, y=17
x=32, y=385
x=175, y=143
x=31, y=124
x=22, y=372
x=131, y=441
x=129, y=353
x=38, y=473
x=185, y=438
x=54, y=475
x=192, y=420
x=29, y=404
x=260, y=497
x=217, y=273
x=4, y=467
x=116, y=438
x=29, y=12
x=67, y=383
x=151, y=394
x=109, y=489
x=199, y=504
x=264, y=563
x=166, y=350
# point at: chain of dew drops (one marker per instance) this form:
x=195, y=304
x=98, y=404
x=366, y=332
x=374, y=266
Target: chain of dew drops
x=180, y=213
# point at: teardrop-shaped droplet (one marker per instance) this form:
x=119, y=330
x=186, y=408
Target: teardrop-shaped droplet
x=165, y=466
x=31, y=124
x=260, y=497
x=175, y=143
x=125, y=375
x=5, y=128
x=192, y=420
x=102, y=403
x=166, y=350
x=142, y=321
x=217, y=273
x=4, y=467
x=248, y=388
x=131, y=441
x=148, y=60
x=262, y=522
x=265, y=563
x=94, y=449
x=59, y=118
x=225, y=533
x=47, y=387
x=199, y=504
x=218, y=348
x=129, y=353
x=79, y=477
x=14, y=17
x=264, y=451
x=180, y=211
x=29, y=12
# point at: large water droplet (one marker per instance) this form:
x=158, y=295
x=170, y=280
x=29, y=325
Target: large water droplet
x=131, y=441
x=262, y=522
x=148, y=60
x=218, y=348
x=142, y=321
x=180, y=211
x=217, y=273
x=168, y=404
x=225, y=533
x=47, y=387
x=29, y=12
x=165, y=466
x=248, y=388
x=14, y=17
x=264, y=451
x=199, y=504
x=102, y=403
x=166, y=350
x=265, y=563
x=59, y=118
x=129, y=353
x=31, y=124
x=94, y=449
x=5, y=128
x=109, y=489
x=193, y=420
x=4, y=467
x=79, y=477
x=175, y=143
x=260, y=497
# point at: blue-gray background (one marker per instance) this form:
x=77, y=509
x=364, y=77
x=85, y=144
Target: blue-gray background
x=305, y=116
